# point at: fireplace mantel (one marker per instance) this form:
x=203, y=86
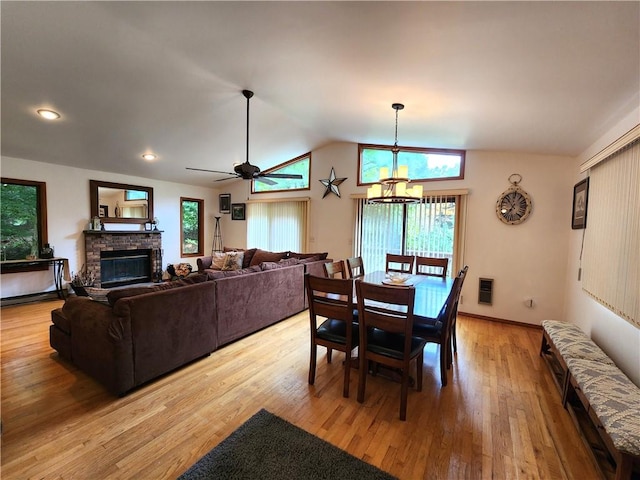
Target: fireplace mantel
x=122, y=232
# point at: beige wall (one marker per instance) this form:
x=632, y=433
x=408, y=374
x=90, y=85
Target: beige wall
x=68, y=215
x=526, y=261
x=617, y=337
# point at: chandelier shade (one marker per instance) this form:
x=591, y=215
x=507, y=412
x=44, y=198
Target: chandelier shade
x=392, y=186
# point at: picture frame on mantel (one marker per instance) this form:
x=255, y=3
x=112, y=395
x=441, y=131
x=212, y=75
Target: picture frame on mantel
x=225, y=203
x=580, y=201
x=238, y=211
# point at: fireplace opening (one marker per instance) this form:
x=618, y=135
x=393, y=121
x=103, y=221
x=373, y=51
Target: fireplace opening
x=125, y=267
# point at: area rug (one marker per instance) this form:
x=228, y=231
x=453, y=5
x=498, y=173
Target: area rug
x=268, y=447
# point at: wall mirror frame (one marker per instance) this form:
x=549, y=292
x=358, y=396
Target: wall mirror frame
x=141, y=212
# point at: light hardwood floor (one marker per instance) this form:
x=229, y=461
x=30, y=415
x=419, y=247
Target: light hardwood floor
x=499, y=417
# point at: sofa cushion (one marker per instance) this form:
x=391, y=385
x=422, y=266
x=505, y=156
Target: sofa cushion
x=315, y=258
x=287, y=262
x=264, y=256
x=215, y=274
x=301, y=256
x=614, y=398
x=114, y=295
x=60, y=320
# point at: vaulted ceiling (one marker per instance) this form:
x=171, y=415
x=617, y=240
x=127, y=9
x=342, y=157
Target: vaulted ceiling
x=166, y=77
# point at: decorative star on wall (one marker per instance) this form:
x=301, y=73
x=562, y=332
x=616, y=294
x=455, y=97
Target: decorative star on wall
x=331, y=183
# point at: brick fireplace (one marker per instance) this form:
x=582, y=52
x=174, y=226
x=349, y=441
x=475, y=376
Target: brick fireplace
x=96, y=243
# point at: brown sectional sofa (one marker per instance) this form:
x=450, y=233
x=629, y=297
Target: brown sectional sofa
x=147, y=331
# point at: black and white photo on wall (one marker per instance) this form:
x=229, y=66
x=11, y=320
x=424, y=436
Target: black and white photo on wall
x=580, y=201
x=225, y=203
x=237, y=211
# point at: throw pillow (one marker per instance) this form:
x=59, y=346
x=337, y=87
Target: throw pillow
x=217, y=262
x=233, y=261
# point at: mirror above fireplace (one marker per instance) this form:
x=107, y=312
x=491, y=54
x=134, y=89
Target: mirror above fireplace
x=121, y=203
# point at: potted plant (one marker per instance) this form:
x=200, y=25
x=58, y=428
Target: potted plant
x=81, y=280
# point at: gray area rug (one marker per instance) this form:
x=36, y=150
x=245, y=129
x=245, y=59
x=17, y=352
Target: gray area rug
x=268, y=447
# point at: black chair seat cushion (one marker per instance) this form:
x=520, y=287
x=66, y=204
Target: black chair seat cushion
x=336, y=331
x=427, y=330
x=391, y=344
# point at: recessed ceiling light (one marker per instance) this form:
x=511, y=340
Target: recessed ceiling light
x=149, y=156
x=48, y=114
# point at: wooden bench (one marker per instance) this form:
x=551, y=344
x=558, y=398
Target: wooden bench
x=602, y=401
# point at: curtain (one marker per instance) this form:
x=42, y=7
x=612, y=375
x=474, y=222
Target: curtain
x=278, y=225
x=428, y=228
x=611, y=257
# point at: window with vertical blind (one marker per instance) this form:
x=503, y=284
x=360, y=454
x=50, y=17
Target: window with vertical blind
x=278, y=225
x=611, y=256
x=431, y=228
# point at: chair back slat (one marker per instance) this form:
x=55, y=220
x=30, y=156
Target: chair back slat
x=355, y=267
x=432, y=266
x=335, y=269
x=400, y=263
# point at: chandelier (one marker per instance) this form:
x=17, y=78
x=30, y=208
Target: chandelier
x=393, y=188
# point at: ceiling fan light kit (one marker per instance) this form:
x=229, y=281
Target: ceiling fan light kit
x=246, y=170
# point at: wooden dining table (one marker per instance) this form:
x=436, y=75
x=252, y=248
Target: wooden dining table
x=431, y=293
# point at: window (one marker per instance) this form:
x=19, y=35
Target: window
x=424, y=163
x=612, y=237
x=299, y=166
x=429, y=228
x=191, y=227
x=279, y=225
x=23, y=228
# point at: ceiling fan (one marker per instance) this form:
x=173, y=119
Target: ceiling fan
x=245, y=170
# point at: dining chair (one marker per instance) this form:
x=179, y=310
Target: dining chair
x=400, y=263
x=355, y=267
x=440, y=331
x=335, y=269
x=432, y=266
x=454, y=342
x=385, y=320
x=331, y=298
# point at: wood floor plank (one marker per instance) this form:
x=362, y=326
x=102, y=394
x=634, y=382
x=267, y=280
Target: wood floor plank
x=499, y=417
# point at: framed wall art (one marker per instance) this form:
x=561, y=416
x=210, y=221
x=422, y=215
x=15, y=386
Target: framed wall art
x=225, y=203
x=237, y=211
x=580, y=201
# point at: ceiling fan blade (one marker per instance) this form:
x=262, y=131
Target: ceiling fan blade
x=228, y=178
x=281, y=175
x=260, y=178
x=211, y=171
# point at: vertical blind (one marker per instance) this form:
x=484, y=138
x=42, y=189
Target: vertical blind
x=611, y=258
x=427, y=229
x=278, y=225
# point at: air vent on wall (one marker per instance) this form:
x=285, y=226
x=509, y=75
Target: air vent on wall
x=485, y=291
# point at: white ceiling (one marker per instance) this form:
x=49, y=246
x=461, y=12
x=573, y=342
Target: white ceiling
x=131, y=77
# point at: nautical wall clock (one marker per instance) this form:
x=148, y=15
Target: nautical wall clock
x=514, y=204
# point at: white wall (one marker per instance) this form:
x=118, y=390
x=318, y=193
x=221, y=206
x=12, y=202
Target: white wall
x=617, y=337
x=526, y=260
x=68, y=215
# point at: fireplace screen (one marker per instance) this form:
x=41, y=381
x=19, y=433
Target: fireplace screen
x=125, y=267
